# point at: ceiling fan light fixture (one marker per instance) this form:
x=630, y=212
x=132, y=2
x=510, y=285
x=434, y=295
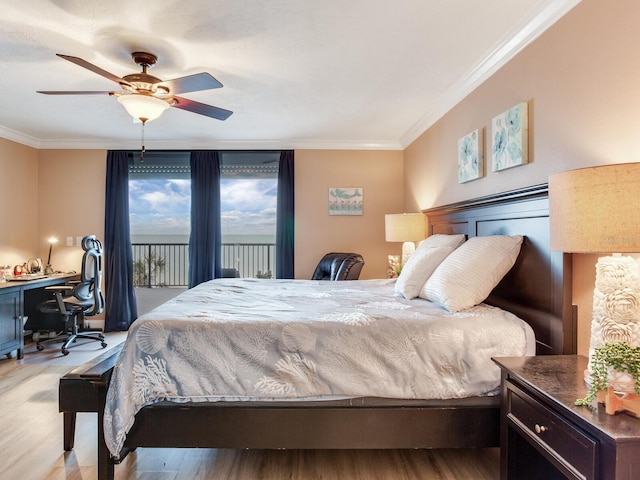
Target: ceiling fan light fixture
x=143, y=107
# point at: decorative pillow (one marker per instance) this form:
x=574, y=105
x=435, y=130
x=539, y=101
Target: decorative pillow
x=467, y=276
x=442, y=240
x=418, y=268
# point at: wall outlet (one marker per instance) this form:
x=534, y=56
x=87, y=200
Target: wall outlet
x=69, y=241
x=78, y=241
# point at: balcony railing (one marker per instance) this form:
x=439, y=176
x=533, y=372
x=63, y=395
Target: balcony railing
x=167, y=264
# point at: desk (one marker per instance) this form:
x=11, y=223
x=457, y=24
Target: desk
x=19, y=299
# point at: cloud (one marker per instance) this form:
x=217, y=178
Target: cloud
x=157, y=206
x=154, y=196
x=249, y=195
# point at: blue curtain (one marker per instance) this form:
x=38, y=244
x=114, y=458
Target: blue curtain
x=120, y=299
x=285, y=218
x=205, y=240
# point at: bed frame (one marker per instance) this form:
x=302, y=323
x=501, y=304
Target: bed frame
x=537, y=289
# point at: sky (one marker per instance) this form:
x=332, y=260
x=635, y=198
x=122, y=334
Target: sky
x=161, y=206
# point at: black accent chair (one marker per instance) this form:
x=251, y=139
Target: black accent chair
x=75, y=301
x=339, y=266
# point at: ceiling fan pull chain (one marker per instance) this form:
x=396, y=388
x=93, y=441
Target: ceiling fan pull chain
x=142, y=141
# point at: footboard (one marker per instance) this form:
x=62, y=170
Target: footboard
x=363, y=424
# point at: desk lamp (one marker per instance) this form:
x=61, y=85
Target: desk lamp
x=48, y=270
x=597, y=210
x=407, y=228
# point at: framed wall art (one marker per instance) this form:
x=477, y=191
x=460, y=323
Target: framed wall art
x=510, y=143
x=345, y=201
x=471, y=156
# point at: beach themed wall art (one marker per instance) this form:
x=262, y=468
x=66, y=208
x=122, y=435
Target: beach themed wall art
x=471, y=156
x=509, y=134
x=345, y=201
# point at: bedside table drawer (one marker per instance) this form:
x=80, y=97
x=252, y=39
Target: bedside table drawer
x=570, y=447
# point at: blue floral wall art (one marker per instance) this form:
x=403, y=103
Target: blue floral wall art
x=471, y=156
x=509, y=133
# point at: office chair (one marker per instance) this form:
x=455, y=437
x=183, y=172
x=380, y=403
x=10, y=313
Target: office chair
x=78, y=300
x=339, y=266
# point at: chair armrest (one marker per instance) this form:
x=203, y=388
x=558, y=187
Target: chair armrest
x=59, y=288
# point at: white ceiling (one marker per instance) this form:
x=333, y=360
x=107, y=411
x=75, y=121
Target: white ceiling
x=296, y=73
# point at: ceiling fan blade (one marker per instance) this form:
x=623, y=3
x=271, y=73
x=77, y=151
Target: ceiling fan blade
x=191, y=83
x=201, y=108
x=82, y=92
x=89, y=66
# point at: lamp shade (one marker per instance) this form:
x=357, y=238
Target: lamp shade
x=596, y=209
x=143, y=107
x=405, y=227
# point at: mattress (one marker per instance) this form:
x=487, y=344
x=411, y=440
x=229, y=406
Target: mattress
x=291, y=340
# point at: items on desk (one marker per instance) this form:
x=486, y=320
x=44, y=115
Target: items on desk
x=5, y=272
x=30, y=267
x=34, y=265
x=30, y=270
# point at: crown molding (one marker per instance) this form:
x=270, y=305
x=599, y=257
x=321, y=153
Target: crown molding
x=19, y=137
x=541, y=17
x=204, y=144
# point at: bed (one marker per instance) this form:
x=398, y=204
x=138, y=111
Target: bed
x=536, y=290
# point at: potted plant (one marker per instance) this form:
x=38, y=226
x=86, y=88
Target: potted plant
x=608, y=360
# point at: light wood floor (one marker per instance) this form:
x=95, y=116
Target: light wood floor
x=31, y=442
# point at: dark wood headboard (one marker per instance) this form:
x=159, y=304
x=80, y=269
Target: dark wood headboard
x=538, y=287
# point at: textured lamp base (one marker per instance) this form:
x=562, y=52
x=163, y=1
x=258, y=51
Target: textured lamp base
x=407, y=250
x=616, y=311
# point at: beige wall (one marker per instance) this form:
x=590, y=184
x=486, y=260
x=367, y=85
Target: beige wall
x=69, y=187
x=380, y=175
x=66, y=198
x=71, y=201
x=581, y=80
x=19, y=239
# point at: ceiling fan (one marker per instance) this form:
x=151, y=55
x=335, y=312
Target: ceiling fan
x=145, y=97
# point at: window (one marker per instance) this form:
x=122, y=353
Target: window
x=159, y=209
x=248, y=199
x=159, y=217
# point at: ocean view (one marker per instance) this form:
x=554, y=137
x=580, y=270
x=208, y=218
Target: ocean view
x=246, y=255
x=228, y=239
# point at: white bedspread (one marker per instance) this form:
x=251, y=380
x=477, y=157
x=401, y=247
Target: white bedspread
x=249, y=339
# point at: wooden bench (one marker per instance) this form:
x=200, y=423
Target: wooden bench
x=84, y=389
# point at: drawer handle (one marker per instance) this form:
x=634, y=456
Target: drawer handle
x=540, y=428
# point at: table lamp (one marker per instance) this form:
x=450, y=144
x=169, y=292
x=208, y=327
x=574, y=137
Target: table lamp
x=47, y=269
x=597, y=210
x=407, y=228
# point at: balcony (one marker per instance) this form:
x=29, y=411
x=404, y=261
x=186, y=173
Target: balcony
x=167, y=264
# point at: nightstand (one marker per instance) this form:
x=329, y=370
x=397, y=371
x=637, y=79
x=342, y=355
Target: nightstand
x=545, y=436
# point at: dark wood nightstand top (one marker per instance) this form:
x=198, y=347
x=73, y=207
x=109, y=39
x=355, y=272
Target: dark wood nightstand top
x=559, y=380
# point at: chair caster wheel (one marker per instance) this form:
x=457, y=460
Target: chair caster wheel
x=104, y=344
x=40, y=347
x=65, y=351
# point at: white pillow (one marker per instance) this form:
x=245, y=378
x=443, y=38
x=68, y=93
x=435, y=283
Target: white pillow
x=467, y=276
x=418, y=268
x=442, y=240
